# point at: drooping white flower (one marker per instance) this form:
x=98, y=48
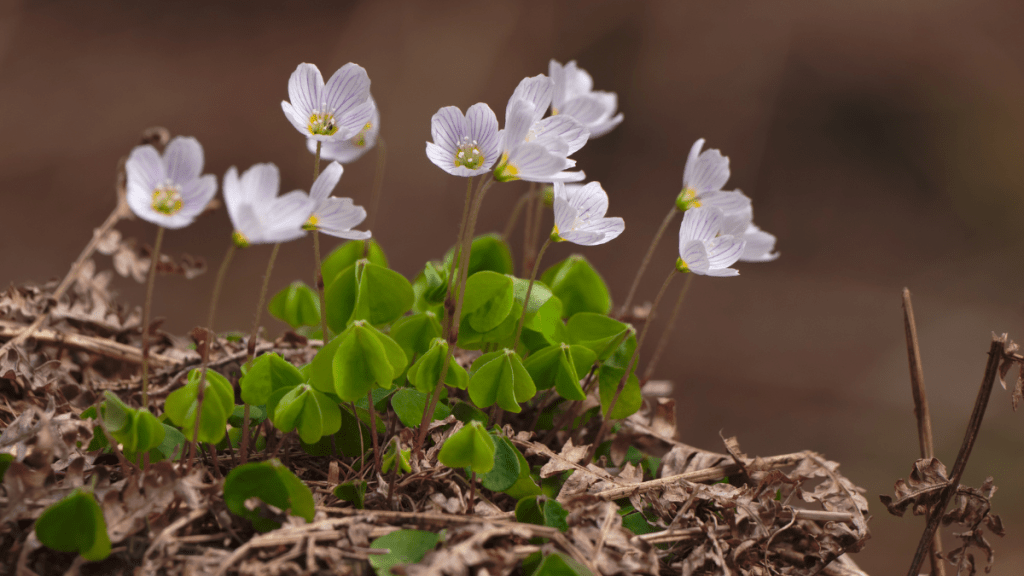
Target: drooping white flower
x=702, y=248
x=574, y=96
x=168, y=190
x=760, y=244
x=579, y=215
x=705, y=174
x=347, y=151
x=536, y=149
x=258, y=214
x=334, y=111
x=464, y=145
x=331, y=215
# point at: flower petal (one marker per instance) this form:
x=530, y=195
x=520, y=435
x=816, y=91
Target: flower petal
x=726, y=200
x=144, y=169
x=518, y=120
x=326, y=182
x=760, y=246
x=565, y=128
x=691, y=161
x=709, y=173
x=259, y=185
x=294, y=117
x=535, y=163
x=590, y=200
x=348, y=89
x=701, y=224
x=197, y=194
x=232, y=192
x=695, y=255
x=305, y=89
x=602, y=230
x=483, y=127
x=447, y=127
x=286, y=216
x=184, y=159
x=338, y=216
x=536, y=90
x=724, y=251
x=577, y=80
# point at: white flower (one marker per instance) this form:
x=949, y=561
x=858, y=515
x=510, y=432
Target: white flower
x=464, y=145
x=760, y=244
x=579, y=215
x=574, y=96
x=334, y=216
x=347, y=151
x=705, y=174
x=331, y=112
x=534, y=149
x=258, y=214
x=702, y=250
x=168, y=191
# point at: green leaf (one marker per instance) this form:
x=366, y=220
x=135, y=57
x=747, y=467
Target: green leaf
x=539, y=295
x=75, y=524
x=395, y=355
x=415, y=333
x=312, y=412
x=366, y=291
x=543, y=511
x=297, y=305
x=138, y=430
x=506, y=466
x=354, y=492
x=218, y=403
x=347, y=254
x=562, y=367
x=578, y=286
x=610, y=374
x=116, y=415
x=487, y=252
x=525, y=485
x=470, y=447
x=465, y=412
x=598, y=332
x=359, y=362
x=488, y=300
x=499, y=377
x=558, y=564
x=410, y=404
x=426, y=371
x=430, y=287
x=5, y=463
x=637, y=524
x=272, y=483
x=268, y=372
x=393, y=454
x=404, y=547
x=547, y=320
x=257, y=414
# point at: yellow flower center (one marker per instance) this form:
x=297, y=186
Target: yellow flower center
x=682, y=266
x=321, y=124
x=505, y=172
x=687, y=199
x=555, y=236
x=468, y=154
x=239, y=239
x=167, y=199
x=311, y=224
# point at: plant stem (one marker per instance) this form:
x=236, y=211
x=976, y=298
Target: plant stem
x=453, y=328
x=606, y=421
x=995, y=355
x=530, y=253
x=373, y=431
x=647, y=260
x=206, y=348
x=449, y=298
x=529, y=289
x=251, y=349
x=150, y=282
x=513, y=218
x=362, y=441
x=375, y=194
x=663, y=342
x=318, y=279
x=472, y=493
x=316, y=161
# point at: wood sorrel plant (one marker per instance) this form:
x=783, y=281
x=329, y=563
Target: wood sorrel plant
x=467, y=334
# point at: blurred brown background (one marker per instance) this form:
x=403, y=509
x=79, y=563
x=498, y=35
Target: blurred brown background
x=881, y=142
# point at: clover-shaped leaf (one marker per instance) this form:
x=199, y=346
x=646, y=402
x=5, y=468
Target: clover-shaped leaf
x=488, y=252
x=488, y=300
x=257, y=414
x=410, y=404
x=558, y=564
x=610, y=375
x=272, y=483
x=312, y=412
x=218, y=403
x=268, y=373
x=350, y=364
x=598, y=332
x=499, y=377
x=366, y=291
x=426, y=371
x=297, y=305
x=404, y=547
x=394, y=456
x=354, y=492
x=563, y=367
x=471, y=447
x=75, y=524
x=416, y=332
x=430, y=286
x=543, y=511
x=138, y=431
x=347, y=254
x=524, y=485
x=578, y=286
x=506, y=469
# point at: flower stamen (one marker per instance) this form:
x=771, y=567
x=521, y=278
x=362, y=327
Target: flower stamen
x=468, y=154
x=322, y=124
x=687, y=199
x=311, y=224
x=167, y=199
